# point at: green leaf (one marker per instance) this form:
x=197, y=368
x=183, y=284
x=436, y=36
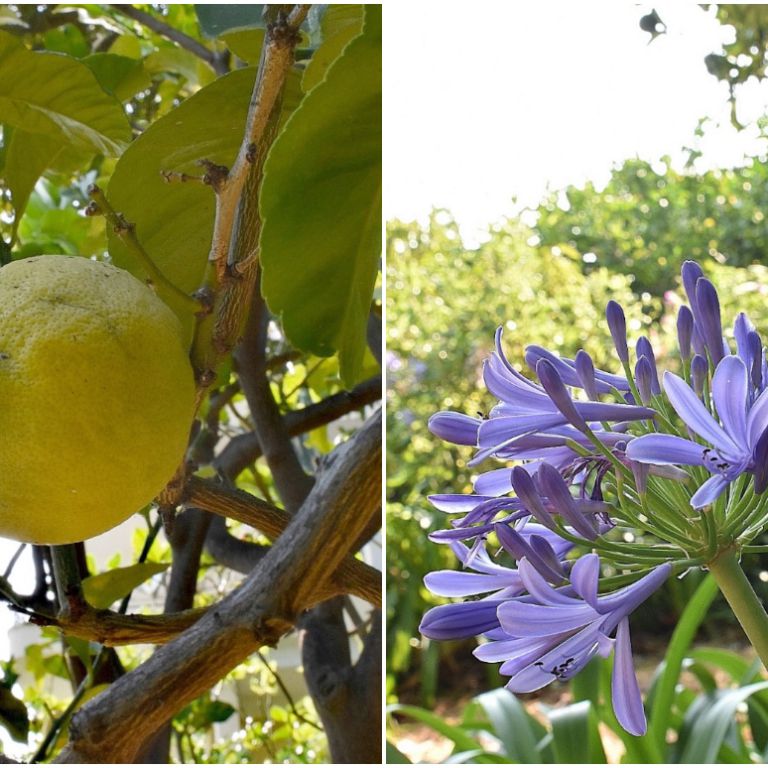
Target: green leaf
x=215, y=20
x=58, y=96
x=712, y=721
x=103, y=589
x=121, y=76
x=511, y=724
x=13, y=715
x=321, y=207
x=174, y=221
x=246, y=43
x=27, y=157
x=461, y=739
x=575, y=735
x=340, y=23
x=685, y=631
x=395, y=756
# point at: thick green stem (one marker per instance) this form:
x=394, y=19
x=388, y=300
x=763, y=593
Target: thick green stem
x=746, y=605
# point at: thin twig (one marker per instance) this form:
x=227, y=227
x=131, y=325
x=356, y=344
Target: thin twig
x=168, y=32
x=14, y=560
x=287, y=693
x=126, y=231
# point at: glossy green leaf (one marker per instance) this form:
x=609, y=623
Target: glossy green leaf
x=245, y=43
x=511, y=725
x=217, y=19
x=28, y=155
x=339, y=24
x=13, y=715
x=325, y=168
x=174, y=221
x=122, y=76
x=103, y=589
x=58, y=96
x=575, y=735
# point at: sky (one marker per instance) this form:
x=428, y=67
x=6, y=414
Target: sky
x=487, y=102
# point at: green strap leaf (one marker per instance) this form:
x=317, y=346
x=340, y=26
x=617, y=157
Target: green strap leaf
x=575, y=735
x=121, y=76
x=512, y=725
x=461, y=739
x=321, y=207
x=58, y=96
x=103, y=589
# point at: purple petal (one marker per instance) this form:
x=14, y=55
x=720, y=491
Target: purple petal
x=462, y=584
x=584, y=577
x=665, y=449
x=576, y=651
x=555, y=489
x=627, y=701
x=644, y=379
x=529, y=496
x=460, y=620
x=760, y=458
x=757, y=420
x=504, y=650
x=525, y=655
x=494, y=483
x=540, y=590
x=729, y=392
x=709, y=491
x=623, y=601
x=692, y=411
x=741, y=328
x=455, y=503
x=612, y=411
x=454, y=427
x=545, y=552
x=519, y=548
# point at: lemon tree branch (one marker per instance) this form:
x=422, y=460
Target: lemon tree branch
x=112, y=726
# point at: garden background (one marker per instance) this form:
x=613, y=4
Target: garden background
x=545, y=272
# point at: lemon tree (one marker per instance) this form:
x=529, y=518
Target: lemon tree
x=190, y=322
x=98, y=397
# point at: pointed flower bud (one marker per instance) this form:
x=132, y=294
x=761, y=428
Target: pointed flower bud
x=617, y=325
x=708, y=319
x=585, y=369
x=454, y=427
x=699, y=371
x=556, y=490
x=684, y=331
x=644, y=349
x=644, y=379
x=691, y=273
x=526, y=491
x=558, y=394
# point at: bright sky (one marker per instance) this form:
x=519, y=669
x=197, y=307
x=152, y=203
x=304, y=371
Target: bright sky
x=489, y=101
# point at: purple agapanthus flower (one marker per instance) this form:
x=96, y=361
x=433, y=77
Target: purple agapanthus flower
x=734, y=443
x=551, y=634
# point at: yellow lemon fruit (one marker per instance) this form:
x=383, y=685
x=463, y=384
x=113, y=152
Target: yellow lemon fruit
x=96, y=398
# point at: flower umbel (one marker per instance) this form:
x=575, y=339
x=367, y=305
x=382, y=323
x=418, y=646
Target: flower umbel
x=638, y=474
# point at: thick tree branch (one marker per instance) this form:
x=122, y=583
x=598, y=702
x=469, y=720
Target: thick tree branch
x=292, y=483
x=111, y=727
x=353, y=576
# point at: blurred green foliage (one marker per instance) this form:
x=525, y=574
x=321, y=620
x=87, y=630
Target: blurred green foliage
x=650, y=218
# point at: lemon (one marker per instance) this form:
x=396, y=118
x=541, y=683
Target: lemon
x=96, y=398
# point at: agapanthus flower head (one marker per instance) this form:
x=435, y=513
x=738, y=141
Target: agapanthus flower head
x=587, y=458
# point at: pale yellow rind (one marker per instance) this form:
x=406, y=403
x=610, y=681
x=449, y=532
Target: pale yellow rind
x=96, y=398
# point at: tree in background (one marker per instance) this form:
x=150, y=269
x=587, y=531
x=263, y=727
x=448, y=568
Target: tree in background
x=230, y=157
